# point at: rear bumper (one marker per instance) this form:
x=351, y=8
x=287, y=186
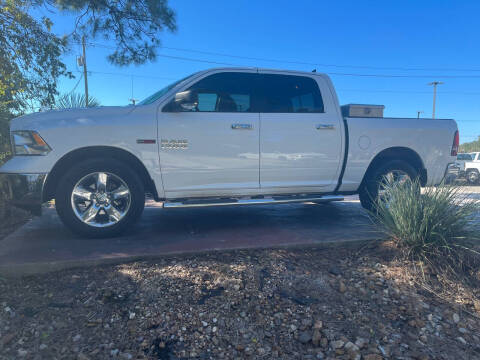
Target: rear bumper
x=24, y=190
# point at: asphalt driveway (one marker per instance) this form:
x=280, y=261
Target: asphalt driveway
x=44, y=244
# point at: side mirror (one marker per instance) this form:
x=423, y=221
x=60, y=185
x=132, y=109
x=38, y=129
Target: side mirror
x=186, y=100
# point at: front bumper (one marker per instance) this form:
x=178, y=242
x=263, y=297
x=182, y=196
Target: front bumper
x=24, y=190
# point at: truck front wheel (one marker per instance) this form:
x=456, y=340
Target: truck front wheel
x=99, y=198
x=394, y=170
x=472, y=176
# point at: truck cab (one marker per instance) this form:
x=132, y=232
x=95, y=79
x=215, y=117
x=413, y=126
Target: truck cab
x=251, y=131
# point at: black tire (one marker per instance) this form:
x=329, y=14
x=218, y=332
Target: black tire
x=369, y=189
x=68, y=181
x=472, y=176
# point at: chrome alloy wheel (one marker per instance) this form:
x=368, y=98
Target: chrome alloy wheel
x=392, y=177
x=101, y=199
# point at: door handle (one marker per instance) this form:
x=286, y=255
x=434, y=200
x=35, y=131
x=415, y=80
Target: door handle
x=325, y=127
x=242, y=126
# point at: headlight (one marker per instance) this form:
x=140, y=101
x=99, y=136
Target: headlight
x=27, y=142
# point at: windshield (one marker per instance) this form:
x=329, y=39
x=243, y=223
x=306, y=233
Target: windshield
x=160, y=93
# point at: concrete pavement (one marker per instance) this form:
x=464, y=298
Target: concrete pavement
x=44, y=244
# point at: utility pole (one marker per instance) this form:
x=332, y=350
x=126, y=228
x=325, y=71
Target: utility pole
x=434, y=83
x=418, y=113
x=84, y=61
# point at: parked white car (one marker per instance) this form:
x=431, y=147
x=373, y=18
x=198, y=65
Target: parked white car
x=469, y=165
x=230, y=136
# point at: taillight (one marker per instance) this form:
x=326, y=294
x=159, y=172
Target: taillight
x=456, y=143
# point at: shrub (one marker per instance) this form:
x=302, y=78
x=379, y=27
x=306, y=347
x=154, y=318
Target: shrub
x=433, y=225
x=4, y=155
x=74, y=100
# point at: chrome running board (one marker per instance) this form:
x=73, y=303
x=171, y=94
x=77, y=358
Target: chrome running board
x=251, y=201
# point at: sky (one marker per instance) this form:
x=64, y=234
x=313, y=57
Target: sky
x=376, y=52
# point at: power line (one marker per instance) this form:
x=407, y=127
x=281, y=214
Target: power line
x=303, y=62
x=129, y=75
x=149, y=76
x=409, y=91
x=408, y=76
x=313, y=64
x=316, y=64
x=76, y=85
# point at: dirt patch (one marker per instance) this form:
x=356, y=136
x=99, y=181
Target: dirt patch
x=347, y=303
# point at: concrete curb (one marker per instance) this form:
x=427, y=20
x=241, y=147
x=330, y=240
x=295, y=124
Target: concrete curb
x=30, y=269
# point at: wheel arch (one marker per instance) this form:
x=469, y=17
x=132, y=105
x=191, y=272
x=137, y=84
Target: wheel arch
x=73, y=157
x=398, y=153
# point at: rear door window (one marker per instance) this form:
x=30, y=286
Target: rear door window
x=289, y=94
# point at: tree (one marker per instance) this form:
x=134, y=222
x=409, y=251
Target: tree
x=74, y=100
x=134, y=25
x=470, y=146
x=29, y=58
x=5, y=118
x=30, y=53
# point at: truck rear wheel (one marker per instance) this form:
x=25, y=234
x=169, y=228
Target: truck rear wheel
x=99, y=198
x=472, y=176
x=395, y=170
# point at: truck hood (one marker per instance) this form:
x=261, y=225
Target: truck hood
x=69, y=117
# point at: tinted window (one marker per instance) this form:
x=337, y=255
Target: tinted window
x=289, y=94
x=467, y=157
x=225, y=92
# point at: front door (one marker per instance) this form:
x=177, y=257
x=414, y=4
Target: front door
x=300, y=134
x=212, y=149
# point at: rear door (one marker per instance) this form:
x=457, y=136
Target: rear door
x=212, y=149
x=300, y=133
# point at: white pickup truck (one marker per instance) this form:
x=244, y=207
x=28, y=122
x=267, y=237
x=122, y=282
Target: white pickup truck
x=469, y=166
x=229, y=136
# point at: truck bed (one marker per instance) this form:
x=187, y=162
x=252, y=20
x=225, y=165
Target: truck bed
x=431, y=139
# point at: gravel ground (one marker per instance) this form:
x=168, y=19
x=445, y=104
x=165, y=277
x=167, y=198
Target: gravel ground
x=318, y=303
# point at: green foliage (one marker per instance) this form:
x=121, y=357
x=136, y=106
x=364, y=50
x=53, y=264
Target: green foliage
x=29, y=58
x=5, y=117
x=4, y=155
x=470, y=146
x=134, y=25
x=432, y=226
x=74, y=100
